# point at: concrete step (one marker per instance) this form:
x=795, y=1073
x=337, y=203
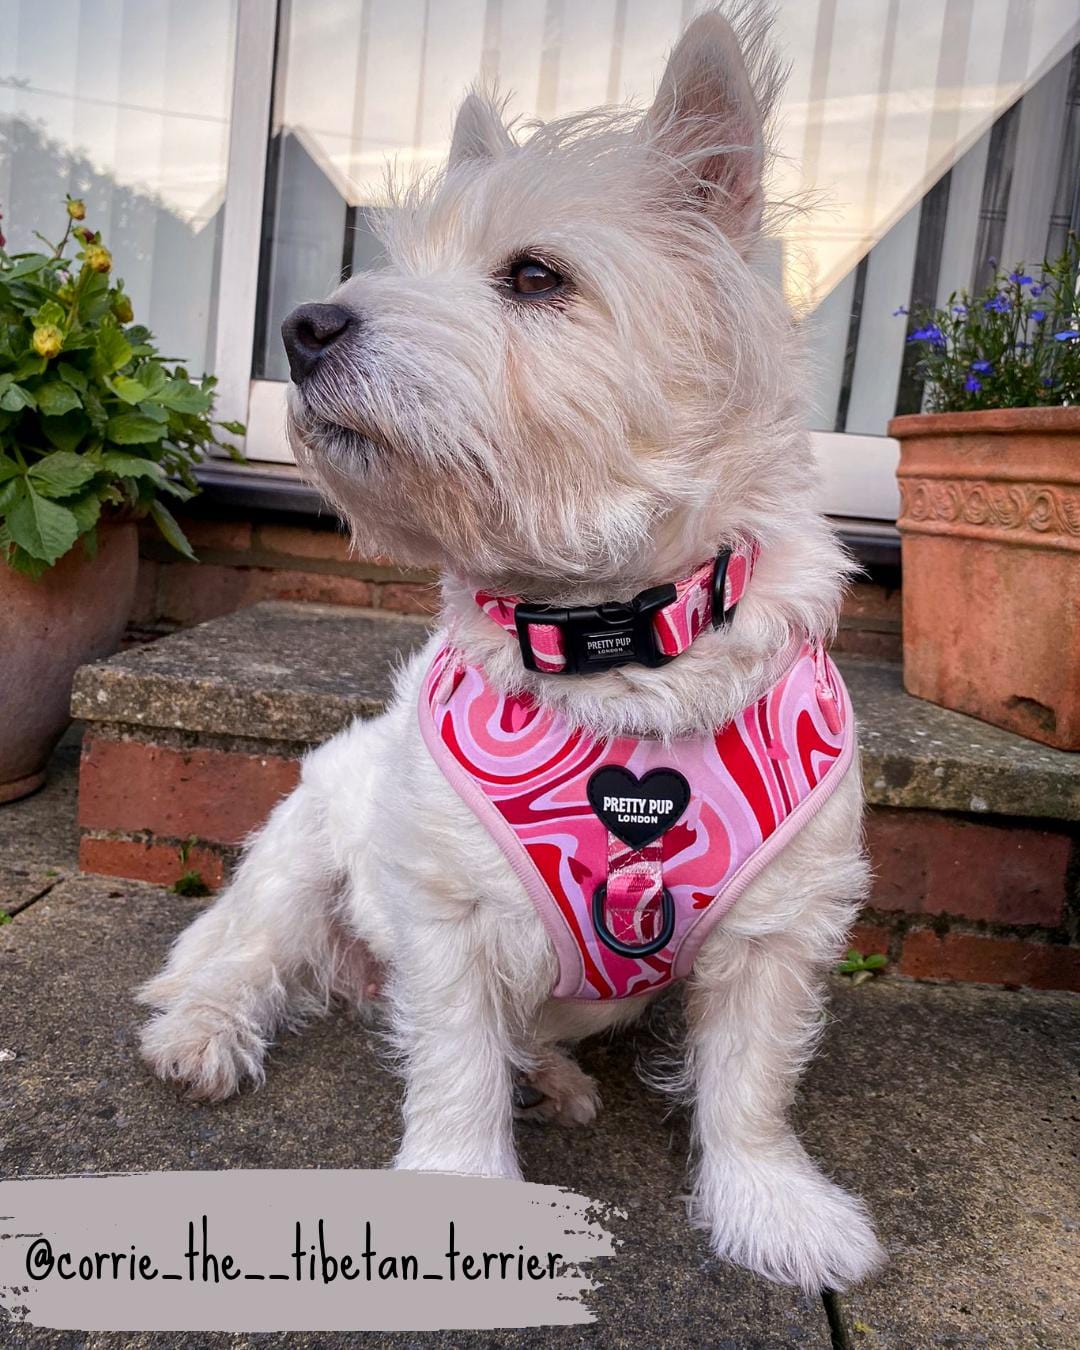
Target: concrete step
x=191, y=740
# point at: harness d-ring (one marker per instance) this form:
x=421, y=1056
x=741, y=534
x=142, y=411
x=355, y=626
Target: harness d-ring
x=667, y=926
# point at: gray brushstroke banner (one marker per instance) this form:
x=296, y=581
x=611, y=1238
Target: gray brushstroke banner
x=378, y=1251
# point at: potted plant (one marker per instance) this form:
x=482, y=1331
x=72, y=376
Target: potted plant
x=96, y=428
x=990, y=505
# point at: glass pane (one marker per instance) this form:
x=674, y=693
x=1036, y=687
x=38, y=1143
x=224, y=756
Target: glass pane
x=124, y=103
x=887, y=101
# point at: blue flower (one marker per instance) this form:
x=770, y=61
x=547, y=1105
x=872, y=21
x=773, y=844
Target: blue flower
x=1038, y=315
x=1038, y=289
x=1020, y=279
x=973, y=384
x=983, y=367
x=901, y=310
x=999, y=305
x=959, y=310
x=931, y=333
x=1069, y=335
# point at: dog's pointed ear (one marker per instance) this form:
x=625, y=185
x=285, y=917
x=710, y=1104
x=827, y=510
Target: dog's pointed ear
x=708, y=116
x=479, y=132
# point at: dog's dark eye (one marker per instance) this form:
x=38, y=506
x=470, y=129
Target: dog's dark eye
x=528, y=276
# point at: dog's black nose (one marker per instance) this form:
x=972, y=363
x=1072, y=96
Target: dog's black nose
x=309, y=332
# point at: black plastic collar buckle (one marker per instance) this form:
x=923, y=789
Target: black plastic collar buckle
x=720, y=616
x=598, y=637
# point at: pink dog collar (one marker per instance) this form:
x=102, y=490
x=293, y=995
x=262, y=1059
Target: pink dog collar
x=652, y=628
x=631, y=850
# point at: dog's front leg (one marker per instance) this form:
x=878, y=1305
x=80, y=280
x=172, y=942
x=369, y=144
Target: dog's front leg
x=753, y=1013
x=449, y=1019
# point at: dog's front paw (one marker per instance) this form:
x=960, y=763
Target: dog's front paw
x=199, y=1046
x=787, y=1222
x=557, y=1090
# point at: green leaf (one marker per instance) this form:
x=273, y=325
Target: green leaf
x=94, y=300
x=155, y=411
x=151, y=375
x=133, y=429
x=15, y=397
x=177, y=490
x=95, y=410
x=61, y=474
x=182, y=397
x=72, y=375
x=79, y=340
x=234, y=428
x=876, y=962
x=30, y=365
x=67, y=432
x=41, y=527
x=131, y=391
x=57, y=398
x=50, y=313
x=8, y=469
x=21, y=561
x=112, y=350
x=171, y=531
x=9, y=494
x=26, y=267
x=132, y=466
x=86, y=510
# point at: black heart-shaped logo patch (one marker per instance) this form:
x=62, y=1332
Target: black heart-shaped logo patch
x=638, y=810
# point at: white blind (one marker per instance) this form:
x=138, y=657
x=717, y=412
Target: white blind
x=883, y=97
x=126, y=104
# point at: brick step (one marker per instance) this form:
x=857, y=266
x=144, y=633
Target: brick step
x=190, y=741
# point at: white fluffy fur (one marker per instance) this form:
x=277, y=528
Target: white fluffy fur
x=570, y=450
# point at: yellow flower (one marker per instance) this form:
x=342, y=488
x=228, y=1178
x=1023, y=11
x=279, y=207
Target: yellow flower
x=122, y=308
x=98, y=258
x=76, y=209
x=48, y=341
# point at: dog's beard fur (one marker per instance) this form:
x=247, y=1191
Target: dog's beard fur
x=573, y=449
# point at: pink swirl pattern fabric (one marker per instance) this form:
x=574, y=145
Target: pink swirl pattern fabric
x=524, y=771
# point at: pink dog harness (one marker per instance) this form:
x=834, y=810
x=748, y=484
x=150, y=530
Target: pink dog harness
x=632, y=849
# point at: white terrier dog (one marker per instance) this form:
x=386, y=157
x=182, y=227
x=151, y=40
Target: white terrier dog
x=569, y=383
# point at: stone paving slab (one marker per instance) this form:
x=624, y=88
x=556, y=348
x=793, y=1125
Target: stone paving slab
x=39, y=842
x=948, y=1107
x=953, y=1109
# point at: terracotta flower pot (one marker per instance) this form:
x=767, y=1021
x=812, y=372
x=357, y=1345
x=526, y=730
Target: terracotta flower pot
x=74, y=613
x=990, y=527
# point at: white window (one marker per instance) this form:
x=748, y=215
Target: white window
x=936, y=133
x=125, y=104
